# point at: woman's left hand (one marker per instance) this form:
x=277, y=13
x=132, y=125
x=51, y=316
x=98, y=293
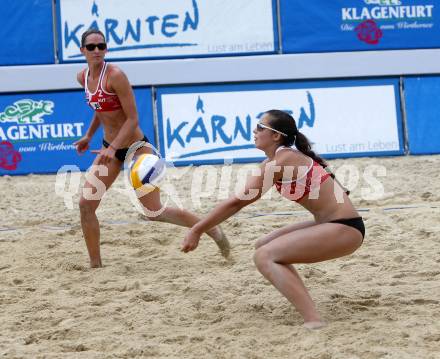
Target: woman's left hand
x=105, y=155
x=190, y=242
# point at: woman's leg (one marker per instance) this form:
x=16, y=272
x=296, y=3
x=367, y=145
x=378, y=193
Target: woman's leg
x=181, y=217
x=98, y=180
x=308, y=245
x=284, y=230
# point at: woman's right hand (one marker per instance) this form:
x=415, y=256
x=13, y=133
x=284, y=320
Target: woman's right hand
x=82, y=144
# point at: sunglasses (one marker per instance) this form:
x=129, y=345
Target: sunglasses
x=261, y=127
x=101, y=46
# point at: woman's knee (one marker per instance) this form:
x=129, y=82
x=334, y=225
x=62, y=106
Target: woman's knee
x=152, y=217
x=262, y=259
x=86, y=206
x=259, y=243
x=152, y=207
x=157, y=215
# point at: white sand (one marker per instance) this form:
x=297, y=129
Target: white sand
x=152, y=301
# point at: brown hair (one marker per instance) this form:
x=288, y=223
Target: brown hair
x=282, y=121
x=90, y=32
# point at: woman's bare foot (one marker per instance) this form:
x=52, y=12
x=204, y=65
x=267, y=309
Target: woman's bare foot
x=95, y=263
x=314, y=325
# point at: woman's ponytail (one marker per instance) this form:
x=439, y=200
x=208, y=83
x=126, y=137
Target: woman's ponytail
x=282, y=121
x=303, y=145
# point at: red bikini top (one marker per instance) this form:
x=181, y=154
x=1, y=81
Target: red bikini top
x=101, y=100
x=308, y=181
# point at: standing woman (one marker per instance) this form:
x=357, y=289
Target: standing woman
x=110, y=95
x=336, y=229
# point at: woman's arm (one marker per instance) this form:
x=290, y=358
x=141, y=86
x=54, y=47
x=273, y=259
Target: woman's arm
x=121, y=86
x=80, y=77
x=93, y=126
x=256, y=186
x=82, y=144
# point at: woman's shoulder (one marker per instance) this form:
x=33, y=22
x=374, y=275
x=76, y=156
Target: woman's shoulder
x=114, y=70
x=289, y=153
x=115, y=74
x=80, y=77
x=115, y=78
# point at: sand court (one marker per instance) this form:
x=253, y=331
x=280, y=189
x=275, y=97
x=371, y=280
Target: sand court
x=152, y=301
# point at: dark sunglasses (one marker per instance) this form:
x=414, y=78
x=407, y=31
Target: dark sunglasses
x=91, y=47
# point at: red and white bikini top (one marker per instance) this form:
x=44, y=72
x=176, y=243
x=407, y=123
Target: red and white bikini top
x=101, y=100
x=308, y=180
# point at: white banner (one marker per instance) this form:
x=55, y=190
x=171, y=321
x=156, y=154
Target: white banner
x=339, y=121
x=139, y=29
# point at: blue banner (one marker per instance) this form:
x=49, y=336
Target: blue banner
x=351, y=25
x=26, y=32
x=37, y=130
x=422, y=111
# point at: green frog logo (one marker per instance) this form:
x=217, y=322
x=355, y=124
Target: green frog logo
x=27, y=111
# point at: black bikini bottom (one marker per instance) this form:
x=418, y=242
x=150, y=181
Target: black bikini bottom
x=121, y=152
x=356, y=222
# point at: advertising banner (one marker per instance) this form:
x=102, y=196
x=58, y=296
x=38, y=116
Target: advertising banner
x=422, y=114
x=172, y=28
x=37, y=130
x=210, y=124
x=349, y=25
x=26, y=32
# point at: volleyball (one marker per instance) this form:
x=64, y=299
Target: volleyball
x=146, y=172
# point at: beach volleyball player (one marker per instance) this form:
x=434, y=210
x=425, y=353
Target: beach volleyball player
x=110, y=95
x=298, y=174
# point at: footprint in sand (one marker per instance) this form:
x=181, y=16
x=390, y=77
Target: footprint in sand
x=432, y=338
x=68, y=266
x=148, y=297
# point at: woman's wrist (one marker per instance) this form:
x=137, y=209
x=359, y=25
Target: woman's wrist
x=112, y=147
x=197, y=230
